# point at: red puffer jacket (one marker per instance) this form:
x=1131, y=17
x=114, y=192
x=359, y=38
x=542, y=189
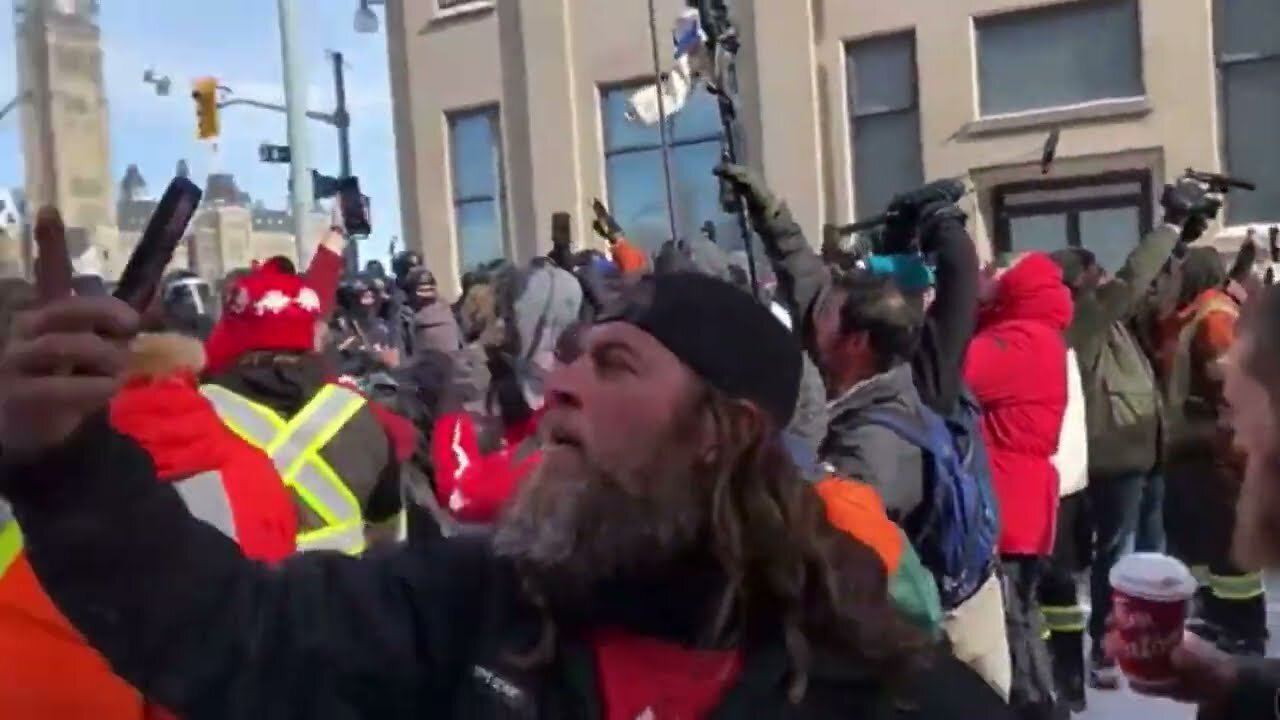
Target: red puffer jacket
x=1016, y=366
x=473, y=486
x=162, y=409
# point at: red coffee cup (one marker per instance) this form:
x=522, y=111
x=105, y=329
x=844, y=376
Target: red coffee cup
x=1149, y=594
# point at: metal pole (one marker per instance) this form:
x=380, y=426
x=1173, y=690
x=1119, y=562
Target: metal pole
x=662, y=122
x=342, y=121
x=301, y=197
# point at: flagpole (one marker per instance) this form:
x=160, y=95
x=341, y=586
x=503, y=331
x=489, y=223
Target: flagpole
x=662, y=121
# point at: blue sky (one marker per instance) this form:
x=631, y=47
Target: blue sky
x=236, y=41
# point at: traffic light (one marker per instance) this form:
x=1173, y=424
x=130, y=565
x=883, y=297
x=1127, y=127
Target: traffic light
x=205, y=92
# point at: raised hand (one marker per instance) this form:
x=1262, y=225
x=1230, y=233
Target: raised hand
x=65, y=355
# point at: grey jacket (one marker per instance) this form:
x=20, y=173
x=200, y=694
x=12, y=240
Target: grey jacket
x=435, y=328
x=874, y=454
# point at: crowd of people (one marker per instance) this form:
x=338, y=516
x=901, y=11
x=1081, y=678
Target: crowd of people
x=616, y=484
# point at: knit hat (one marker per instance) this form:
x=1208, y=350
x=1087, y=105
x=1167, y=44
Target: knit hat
x=1074, y=262
x=909, y=272
x=732, y=342
x=268, y=309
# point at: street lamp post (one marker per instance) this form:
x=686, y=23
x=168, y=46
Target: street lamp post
x=300, y=190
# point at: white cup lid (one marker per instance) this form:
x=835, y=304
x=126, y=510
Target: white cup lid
x=1154, y=576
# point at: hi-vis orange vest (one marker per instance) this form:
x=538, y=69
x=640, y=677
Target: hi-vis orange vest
x=49, y=672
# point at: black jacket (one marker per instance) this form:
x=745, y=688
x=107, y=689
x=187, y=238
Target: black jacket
x=803, y=279
x=414, y=633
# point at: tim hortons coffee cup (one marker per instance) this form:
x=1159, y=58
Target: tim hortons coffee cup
x=1149, y=592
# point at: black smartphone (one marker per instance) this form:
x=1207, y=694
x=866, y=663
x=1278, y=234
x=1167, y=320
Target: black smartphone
x=145, y=269
x=352, y=203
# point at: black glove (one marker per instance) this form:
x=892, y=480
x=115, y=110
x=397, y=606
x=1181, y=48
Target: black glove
x=906, y=213
x=1242, y=268
x=933, y=216
x=604, y=225
x=1188, y=204
x=760, y=200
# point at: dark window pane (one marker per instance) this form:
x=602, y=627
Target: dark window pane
x=1246, y=27
x=1075, y=53
x=1038, y=232
x=1251, y=95
x=473, y=150
x=886, y=159
x=882, y=74
x=637, y=196
x=479, y=233
x=1110, y=234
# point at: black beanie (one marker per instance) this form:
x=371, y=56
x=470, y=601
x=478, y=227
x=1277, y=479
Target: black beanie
x=732, y=342
x=1074, y=262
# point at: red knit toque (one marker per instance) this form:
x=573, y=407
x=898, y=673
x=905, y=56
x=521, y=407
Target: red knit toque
x=268, y=309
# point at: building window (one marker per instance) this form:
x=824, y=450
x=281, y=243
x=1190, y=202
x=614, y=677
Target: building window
x=1054, y=57
x=479, y=202
x=1248, y=50
x=884, y=112
x=452, y=8
x=1106, y=214
x=634, y=175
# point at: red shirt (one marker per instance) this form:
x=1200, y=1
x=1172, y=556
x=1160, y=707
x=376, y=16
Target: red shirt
x=642, y=678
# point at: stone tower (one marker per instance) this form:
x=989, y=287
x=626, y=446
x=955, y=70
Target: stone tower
x=65, y=135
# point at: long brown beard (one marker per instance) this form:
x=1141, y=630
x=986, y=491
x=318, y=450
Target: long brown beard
x=574, y=524
x=1256, y=540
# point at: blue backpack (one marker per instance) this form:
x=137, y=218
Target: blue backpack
x=956, y=529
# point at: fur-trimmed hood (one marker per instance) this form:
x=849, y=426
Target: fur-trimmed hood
x=158, y=355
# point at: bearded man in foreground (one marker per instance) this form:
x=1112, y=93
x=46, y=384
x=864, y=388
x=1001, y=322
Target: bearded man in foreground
x=666, y=561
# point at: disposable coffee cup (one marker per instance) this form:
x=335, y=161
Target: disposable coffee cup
x=1149, y=597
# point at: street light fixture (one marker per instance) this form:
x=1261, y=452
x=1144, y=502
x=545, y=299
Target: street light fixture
x=161, y=83
x=366, y=20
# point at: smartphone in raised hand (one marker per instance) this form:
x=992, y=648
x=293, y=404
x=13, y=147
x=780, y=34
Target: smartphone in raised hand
x=145, y=269
x=351, y=202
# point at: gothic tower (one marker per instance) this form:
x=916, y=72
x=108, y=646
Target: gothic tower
x=65, y=136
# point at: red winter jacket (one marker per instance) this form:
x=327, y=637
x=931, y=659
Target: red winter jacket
x=1016, y=367
x=473, y=486
x=163, y=410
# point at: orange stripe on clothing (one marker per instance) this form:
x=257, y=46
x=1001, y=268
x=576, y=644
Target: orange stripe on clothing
x=856, y=509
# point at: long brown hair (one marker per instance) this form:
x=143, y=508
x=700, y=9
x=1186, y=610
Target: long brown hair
x=784, y=564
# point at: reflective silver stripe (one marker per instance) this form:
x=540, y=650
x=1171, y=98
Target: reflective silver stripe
x=294, y=451
x=350, y=541
x=247, y=421
x=6, y=512
x=207, y=501
x=344, y=529
x=309, y=424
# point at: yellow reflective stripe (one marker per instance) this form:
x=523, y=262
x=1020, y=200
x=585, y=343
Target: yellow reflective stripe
x=1201, y=574
x=10, y=544
x=1064, y=618
x=1237, y=587
x=294, y=448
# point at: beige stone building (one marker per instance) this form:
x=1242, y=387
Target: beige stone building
x=228, y=232
x=509, y=111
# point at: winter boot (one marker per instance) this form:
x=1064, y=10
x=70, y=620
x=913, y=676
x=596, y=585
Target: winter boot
x=1067, y=649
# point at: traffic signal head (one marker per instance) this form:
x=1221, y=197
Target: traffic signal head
x=205, y=92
